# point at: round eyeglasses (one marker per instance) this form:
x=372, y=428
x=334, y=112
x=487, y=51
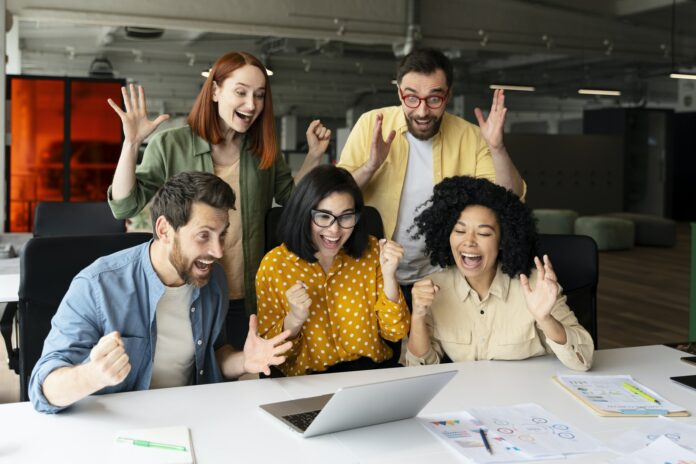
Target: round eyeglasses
x=411, y=100
x=325, y=219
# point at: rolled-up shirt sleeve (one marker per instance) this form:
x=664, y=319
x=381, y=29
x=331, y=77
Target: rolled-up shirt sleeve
x=75, y=329
x=578, y=350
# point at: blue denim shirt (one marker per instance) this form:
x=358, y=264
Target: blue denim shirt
x=120, y=292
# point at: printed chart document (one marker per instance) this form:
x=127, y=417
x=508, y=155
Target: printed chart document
x=164, y=445
x=661, y=451
x=516, y=433
x=645, y=433
x=618, y=395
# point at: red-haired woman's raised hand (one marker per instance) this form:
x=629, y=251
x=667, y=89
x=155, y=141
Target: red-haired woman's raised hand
x=136, y=125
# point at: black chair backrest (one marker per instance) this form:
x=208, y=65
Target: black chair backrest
x=62, y=218
x=574, y=258
x=47, y=267
x=370, y=215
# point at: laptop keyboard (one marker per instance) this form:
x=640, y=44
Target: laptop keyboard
x=303, y=419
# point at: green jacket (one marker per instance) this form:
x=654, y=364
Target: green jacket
x=177, y=150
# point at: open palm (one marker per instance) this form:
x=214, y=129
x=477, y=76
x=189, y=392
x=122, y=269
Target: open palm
x=541, y=299
x=136, y=125
x=259, y=353
x=492, y=127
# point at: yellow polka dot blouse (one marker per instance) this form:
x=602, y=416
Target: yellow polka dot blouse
x=349, y=315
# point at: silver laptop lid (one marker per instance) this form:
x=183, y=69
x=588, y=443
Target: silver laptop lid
x=376, y=403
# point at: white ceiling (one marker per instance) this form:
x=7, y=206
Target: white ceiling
x=330, y=55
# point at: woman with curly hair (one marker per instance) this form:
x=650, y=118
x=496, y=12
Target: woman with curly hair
x=485, y=304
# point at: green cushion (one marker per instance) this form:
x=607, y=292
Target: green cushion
x=651, y=230
x=555, y=221
x=610, y=233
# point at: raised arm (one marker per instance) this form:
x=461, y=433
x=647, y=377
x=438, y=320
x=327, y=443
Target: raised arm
x=423, y=295
x=506, y=174
x=318, y=138
x=136, y=128
x=379, y=149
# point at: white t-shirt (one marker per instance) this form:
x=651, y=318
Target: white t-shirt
x=175, y=350
x=418, y=188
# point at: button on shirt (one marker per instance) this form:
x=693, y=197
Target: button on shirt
x=500, y=326
x=349, y=315
x=120, y=293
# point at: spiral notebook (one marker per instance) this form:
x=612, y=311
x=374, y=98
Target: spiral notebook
x=618, y=396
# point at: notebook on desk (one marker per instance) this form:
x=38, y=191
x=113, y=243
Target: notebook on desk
x=359, y=405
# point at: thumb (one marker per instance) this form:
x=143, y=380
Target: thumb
x=525, y=284
x=160, y=119
x=382, y=242
x=253, y=325
x=479, y=116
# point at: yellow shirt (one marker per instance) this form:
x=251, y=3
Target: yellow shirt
x=499, y=327
x=349, y=316
x=458, y=150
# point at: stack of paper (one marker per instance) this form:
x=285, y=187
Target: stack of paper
x=517, y=433
x=618, y=395
x=165, y=445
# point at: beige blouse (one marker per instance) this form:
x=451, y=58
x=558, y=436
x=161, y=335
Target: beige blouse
x=499, y=327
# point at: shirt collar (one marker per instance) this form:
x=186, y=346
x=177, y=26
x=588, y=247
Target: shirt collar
x=499, y=287
x=156, y=286
x=202, y=147
x=338, y=261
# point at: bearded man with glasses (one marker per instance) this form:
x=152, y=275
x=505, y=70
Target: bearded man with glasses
x=398, y=154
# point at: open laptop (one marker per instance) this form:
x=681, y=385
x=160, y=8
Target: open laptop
x=360, y=405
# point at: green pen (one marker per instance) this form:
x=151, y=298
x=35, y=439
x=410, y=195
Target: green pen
x=151, y=444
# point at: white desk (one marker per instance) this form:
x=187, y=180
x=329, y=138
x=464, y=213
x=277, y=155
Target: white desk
x=228, y=426
x=9, y=287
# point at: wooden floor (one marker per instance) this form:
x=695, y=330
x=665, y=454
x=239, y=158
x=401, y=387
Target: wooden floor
x=643, y=295
x=643, y=299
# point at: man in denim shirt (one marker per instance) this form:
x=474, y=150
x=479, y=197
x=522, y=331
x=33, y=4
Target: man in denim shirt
x=153, y=315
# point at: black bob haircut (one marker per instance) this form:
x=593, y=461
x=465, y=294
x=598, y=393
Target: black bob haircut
x=295, y=227
x=176, y=197
x=518, y=235
x=425, y=61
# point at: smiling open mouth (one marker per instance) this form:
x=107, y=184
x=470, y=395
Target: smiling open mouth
x=330, y=242
x=471, y=260
x=203, y=264
x=244, y=116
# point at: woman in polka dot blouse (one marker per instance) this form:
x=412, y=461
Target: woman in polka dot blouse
x=329, y=283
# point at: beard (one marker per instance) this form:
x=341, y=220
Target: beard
x=419, y=133
x=185, y=269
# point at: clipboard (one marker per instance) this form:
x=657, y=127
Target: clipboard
x=618, y=396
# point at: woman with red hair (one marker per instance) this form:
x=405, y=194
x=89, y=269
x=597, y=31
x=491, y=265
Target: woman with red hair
x=231, y=133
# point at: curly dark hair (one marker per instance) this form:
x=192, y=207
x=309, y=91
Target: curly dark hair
x=518, y=234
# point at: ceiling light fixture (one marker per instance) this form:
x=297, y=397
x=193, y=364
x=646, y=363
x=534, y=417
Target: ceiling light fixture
x=517, y=88
x=674, y=74
x=603, y=92
x=682, y=76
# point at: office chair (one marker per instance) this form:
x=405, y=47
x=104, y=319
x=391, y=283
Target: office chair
x=574, y=258
x=375, y=227
x=47, y=267
x=63, y=218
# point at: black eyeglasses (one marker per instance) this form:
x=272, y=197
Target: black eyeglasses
x=325, y=219
x=412, y=100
